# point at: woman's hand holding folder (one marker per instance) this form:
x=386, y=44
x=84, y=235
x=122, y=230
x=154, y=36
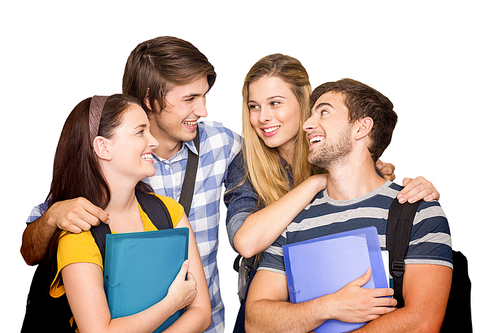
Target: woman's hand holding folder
x=183, y=290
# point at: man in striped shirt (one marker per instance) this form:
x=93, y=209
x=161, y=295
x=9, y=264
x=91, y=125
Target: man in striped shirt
x=350, y=126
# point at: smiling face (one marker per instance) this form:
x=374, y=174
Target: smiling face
x=177, y=122
x=329, y=131
x=274, y=113
x=131, y=146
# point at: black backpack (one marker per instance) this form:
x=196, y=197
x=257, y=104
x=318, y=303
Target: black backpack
x=458, y=311
x=47, y=314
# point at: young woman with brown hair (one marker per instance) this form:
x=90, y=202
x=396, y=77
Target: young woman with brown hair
x=103, y=153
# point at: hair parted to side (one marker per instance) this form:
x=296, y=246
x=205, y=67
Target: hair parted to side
x=157, y=65
x=363, y=101
x=267, y=174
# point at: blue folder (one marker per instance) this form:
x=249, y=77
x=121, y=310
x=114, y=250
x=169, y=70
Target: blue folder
x=139, y=268
x=323, y=265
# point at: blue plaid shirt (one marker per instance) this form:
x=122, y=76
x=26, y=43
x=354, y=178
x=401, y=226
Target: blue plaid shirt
x=218, y=146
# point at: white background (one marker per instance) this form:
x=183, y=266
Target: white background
x=438, y=61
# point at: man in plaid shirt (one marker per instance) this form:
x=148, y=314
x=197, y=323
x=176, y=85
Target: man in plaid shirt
x=170, y=77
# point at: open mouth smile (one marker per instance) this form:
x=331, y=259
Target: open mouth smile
x=147, y=156
x=270, y=131
x=314, y=139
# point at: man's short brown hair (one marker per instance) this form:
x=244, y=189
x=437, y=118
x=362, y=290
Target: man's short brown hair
x=363, y=101
x=157, y=65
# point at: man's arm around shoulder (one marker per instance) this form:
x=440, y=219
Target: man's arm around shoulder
x=75, y=215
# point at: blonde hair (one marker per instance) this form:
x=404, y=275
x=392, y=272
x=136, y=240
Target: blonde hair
x=268, y=175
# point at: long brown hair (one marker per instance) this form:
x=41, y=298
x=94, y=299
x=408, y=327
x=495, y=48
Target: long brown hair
x=268, y=175
x=76, y=171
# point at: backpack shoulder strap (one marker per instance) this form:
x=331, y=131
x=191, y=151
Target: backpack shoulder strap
x=399, y=224
x=99, y=233
x=151, y=205
x=155, y=209
x=190, y=175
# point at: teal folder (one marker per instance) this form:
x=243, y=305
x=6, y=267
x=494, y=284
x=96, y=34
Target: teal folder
x=323, y=265
x=139, y=268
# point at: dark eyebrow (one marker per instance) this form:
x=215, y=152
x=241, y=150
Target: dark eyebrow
x=192, y=95
x=322, y=105
x=195, y=95
x=319, y=106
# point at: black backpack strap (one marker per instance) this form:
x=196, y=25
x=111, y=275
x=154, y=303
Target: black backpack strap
x=99, y=233
x=151, y=205
x=399, y=224
x=190, y=175
x=155, y=209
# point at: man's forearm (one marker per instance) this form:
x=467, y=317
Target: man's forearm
x=397, y=321
x=73, y=215
x=36, y=238
x=425, y=291
x=279, y=316
x=403, y=320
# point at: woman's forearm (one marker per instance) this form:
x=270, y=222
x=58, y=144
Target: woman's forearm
x=263, y=227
